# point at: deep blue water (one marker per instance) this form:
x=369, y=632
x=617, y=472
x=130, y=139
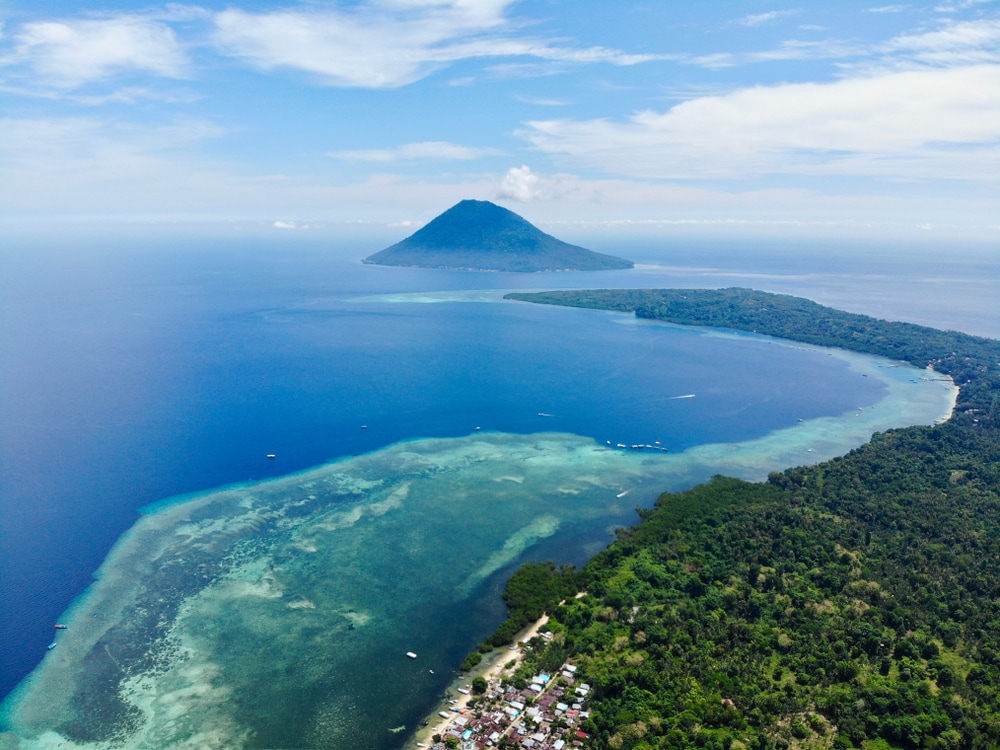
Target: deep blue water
x=138, y=372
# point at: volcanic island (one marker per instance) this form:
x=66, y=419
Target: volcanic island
x=482, y=236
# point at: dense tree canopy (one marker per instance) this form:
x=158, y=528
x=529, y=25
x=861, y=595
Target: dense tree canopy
x=855, y=603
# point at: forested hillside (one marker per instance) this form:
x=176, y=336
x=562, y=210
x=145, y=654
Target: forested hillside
x=855, y=603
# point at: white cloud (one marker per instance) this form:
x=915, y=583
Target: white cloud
x=887, y=9
x=963, y=43
x=789, y=50
x=758, y=19
x=133, y=95
x=425, y=150
x=522, y=185
x=928, y=123
x=541, y=101
x=367, y=44
x=97, y=168
x=519, y=184
x=389, y=44
x=124, y=95
x=68, y=54
x=962, y=5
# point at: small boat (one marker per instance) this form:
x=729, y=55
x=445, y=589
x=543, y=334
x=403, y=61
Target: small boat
x=51, y=646
x=61, y=627
x=270, y=455
x=411, y=654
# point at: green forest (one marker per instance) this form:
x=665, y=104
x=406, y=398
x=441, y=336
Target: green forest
x=854, y=603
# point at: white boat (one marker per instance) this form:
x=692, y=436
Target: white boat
x=411, y=654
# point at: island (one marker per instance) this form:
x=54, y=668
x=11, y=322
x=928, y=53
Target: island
x=854, y=603
x=482, y=236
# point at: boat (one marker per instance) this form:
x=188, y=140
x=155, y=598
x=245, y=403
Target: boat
x=270, y=455
x=61, y=627
x=411, y=654
x=51, y=646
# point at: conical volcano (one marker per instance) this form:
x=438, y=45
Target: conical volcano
x=482, y=236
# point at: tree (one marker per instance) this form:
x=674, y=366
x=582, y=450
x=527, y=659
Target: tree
x=471, y=661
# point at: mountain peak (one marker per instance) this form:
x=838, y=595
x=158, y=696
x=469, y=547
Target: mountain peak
x=482, y=236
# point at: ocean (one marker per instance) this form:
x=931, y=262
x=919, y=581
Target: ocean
x=466, y=434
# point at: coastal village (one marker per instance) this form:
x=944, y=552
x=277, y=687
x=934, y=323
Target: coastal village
x=544, y=715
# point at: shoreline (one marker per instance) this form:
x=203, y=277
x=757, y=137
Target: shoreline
x=490, y=668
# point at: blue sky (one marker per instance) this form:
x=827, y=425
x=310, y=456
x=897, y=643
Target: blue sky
x=826, y=116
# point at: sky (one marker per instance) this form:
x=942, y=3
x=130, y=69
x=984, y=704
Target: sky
x=824, y=116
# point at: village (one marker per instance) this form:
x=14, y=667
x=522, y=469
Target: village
x=544, y=715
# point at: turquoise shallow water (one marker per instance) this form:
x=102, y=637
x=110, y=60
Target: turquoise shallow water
x=279, y=613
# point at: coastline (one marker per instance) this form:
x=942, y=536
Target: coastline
x=252, y=508
x=452, y=701
x=493, y=664
x=913, y=396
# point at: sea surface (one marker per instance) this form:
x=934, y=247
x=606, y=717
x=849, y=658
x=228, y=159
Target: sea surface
x=426, y=436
